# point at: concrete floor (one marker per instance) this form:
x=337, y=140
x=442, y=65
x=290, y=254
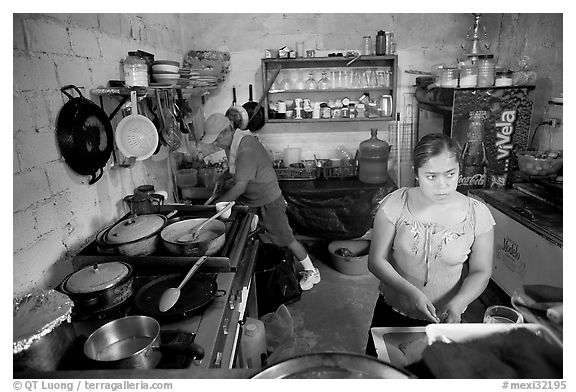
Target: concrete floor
x=336, y=313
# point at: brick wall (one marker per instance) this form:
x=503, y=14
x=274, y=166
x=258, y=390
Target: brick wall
x=56, y=212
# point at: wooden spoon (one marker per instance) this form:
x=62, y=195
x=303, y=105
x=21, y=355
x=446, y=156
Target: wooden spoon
x=190, y=237
x=171, y=295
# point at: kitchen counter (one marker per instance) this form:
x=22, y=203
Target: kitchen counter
x=333, y=208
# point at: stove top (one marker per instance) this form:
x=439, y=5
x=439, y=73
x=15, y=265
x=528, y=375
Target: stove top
x=201, y=327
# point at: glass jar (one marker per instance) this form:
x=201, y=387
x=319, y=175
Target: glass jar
x=468, y=76
x=367, y=47
x=361, y=110
x=449, y=77
x=503, y=78
x=324, y=82
x=486, y=70
x=352, y=110
x=372, y=110
x=135, y=71
x=310, y=83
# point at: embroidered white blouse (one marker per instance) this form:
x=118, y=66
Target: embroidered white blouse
x=431, y=256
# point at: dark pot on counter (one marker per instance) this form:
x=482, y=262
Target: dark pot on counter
x=136, y=235
x=42, y=331
x=133, y=342
x=209, y=242
x=99, y=287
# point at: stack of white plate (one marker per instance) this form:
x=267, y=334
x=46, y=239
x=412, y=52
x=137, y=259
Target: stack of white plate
x=165, y=72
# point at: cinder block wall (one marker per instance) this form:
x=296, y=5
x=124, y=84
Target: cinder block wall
x=56, y=212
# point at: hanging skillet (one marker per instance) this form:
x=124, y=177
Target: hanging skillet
x=256, y=118
x=84, y=135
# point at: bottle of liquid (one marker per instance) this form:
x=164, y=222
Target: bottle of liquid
x=324, y=82
x=135, y=71
x=253, y=344
x=474, y=161
x=380, y=43
x=373, y=159
x=311, y=82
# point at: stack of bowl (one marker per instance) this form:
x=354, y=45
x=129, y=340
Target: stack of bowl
x=166, y=72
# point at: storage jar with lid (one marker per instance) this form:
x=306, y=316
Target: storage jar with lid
x=135, y=71
x=373, y=159
x=367, y=48
x=503, y=78
x=486, y=70
x=468, y=76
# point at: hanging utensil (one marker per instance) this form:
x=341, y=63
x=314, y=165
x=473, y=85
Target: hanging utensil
x=195, y=232
x=255, y=121
x=84, y=135
x=237, y=114
x=171, y=295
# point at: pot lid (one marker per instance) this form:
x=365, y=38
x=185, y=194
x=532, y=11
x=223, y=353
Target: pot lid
x=135, y=228
x=97, y=277
x=36, y=314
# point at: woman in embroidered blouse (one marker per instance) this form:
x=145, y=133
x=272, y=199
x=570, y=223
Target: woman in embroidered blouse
x=431, y=245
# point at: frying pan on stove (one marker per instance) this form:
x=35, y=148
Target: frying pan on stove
x=196, y=295
x=84, y=135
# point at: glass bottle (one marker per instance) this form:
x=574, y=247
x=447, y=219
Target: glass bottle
x=310, y=83
x=324, y=82
x=356, y=80
x=473, y=157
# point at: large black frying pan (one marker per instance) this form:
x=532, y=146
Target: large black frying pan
x=256, y=118
x=84, y=134
x=196, y=294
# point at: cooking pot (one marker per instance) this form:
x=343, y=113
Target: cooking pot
x=142, y=203
x=136, y=235
x=332, y=365
x=133, y=342
x=98, y=287
x=84, y=135
x=209, y=242
x=42, y=330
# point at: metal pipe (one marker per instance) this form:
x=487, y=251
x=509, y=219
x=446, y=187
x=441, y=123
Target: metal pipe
x=398, y=141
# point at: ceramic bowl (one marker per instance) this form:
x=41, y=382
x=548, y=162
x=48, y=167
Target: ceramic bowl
x=166, y=78
x=165, y=68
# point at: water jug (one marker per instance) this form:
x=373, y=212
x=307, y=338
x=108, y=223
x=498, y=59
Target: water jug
x=373, y=159
x=253, y=344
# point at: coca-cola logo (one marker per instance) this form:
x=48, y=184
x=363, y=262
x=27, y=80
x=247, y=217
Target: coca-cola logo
x=475, y=180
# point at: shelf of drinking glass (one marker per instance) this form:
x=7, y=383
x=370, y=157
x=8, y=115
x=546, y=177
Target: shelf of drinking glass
x=335, y=119
x=332, y=90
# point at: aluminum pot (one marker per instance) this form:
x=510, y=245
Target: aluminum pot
x=133, y=342
x=136, y=235
x=43, y=334
x=98, y=287
x=209, y=242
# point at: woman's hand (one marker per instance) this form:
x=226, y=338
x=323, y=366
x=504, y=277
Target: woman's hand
x=420, y=304
x=451, y=313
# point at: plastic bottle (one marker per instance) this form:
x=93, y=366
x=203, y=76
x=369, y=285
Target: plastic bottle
x=380, y=43
x=135, y=71
x=373, y=159
x=253, y=344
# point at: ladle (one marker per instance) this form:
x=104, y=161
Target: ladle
x=171, y=295
x=190, y=237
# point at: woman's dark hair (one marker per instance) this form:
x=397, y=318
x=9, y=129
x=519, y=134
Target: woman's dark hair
x=432, y=145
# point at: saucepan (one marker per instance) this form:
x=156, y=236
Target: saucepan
x=133, y=342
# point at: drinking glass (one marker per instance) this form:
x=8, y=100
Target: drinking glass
x=499, y=314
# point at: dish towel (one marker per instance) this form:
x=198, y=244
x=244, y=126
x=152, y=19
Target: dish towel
x=236, y=139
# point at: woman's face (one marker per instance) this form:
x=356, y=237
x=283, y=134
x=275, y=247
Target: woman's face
x=438, y=177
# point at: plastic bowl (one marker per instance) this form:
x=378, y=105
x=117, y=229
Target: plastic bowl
x=540, y=163
x=166, y=78
x=357, y=262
